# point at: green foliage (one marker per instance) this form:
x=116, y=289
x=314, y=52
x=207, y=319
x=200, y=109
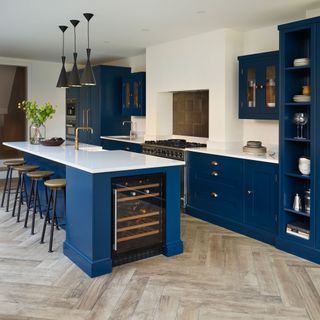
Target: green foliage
x=35, y=113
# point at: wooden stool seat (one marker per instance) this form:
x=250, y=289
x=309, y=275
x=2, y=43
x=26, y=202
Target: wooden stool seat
x=39, y=174
x=25, y=168
x=55, y=183
x=10, y=163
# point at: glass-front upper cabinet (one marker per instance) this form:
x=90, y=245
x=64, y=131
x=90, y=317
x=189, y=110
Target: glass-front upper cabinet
x=258, y=86
x=133, y=94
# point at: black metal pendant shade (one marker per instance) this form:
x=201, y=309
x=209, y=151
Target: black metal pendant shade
x=73, y=79
x=74, y=76
x=63, y=79
x=87, y=78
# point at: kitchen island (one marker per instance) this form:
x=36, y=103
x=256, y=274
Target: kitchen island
x=90, y=173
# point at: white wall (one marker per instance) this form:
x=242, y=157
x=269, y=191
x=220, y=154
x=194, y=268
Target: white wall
x=41, y=81
x=137, y=64
x=198, y=62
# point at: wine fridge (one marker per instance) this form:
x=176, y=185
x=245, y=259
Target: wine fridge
x=138, y=217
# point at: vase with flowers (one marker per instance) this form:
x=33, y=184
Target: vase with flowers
x=37, y=115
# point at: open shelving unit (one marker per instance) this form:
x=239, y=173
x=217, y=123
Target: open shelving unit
x=299, y=40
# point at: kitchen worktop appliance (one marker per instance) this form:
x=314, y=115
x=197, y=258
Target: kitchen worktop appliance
x=172, y=149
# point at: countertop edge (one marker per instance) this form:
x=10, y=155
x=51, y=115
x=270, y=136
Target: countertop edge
x=234, y=154
x=136, y=141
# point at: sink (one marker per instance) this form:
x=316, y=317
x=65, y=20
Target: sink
x=91, y=149
x=123, y=137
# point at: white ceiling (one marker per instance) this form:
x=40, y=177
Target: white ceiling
x=123, y=28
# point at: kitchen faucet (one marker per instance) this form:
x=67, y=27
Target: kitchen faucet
x=76, y=140
x=132, y=133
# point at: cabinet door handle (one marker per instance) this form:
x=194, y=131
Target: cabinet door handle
x=83, y=117
x=127, y=148
x=261, y=86
x=250, y=192
x=214, y=173
x=214, y=195
x=214, y=163
x=115, y=245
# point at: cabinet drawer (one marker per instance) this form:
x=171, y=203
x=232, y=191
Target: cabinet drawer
x=212, y=168
x=218, y=199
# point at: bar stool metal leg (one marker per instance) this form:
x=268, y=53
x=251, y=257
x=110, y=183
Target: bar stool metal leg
x=9, y=190
x=29, y=203
x=16, y=196
x=53, y=220
x=22, y=183
x=5, y=186
x=47, y=217
x=35, y=197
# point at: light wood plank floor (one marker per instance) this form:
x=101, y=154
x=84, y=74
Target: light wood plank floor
x=221, y=275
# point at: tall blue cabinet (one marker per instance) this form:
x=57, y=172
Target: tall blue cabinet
x=100, y=106
x=298, y=40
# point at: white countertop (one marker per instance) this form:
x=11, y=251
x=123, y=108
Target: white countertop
x=238, y=153
x=138, y=140
x=93, y=159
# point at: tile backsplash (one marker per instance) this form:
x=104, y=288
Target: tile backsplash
x=191, y=113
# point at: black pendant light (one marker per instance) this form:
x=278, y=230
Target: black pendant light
x=74, y=77
x=63, y=79
x=87, y=78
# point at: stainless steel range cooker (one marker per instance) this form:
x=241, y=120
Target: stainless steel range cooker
x=172, y=149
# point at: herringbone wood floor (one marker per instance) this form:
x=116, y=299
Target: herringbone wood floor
x=221, y=275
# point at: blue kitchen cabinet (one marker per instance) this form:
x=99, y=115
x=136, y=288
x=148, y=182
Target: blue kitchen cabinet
x=238, y=194
x=100, y=106
x=121, y=145
x=258, y=86
x=215, y=185
x=134, y=94
x=261, y=196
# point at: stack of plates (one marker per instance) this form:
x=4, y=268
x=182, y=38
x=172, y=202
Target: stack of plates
x=301, y=98
x=255, y=148
x=301, y=62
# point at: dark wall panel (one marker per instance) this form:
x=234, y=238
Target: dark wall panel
x=12, y=120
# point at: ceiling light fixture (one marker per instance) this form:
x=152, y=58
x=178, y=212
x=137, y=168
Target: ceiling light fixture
x=63, y=79
x=87, y=78
x=74, y=77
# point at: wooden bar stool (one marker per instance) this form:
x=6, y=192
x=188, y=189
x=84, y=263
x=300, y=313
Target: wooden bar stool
x=21, y=187
x=7, y=188
x=36, y=177
x=53, y=185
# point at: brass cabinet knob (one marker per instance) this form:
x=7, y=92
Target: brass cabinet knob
x=214, y=173
x=214, y=195
x=214, y=163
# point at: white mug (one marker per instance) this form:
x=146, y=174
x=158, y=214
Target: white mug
x=304, y=166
